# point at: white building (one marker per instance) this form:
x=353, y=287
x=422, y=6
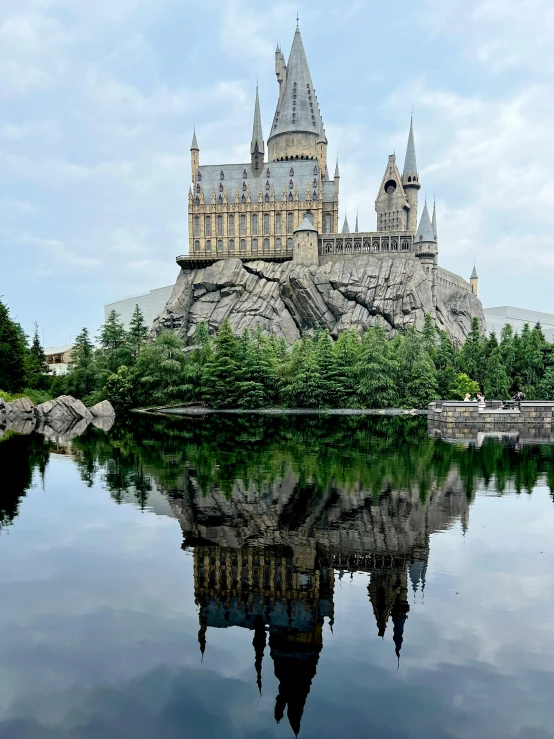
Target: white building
x=498, y=317
x=58, y=359
x=150, y=304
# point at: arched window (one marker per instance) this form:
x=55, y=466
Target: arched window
x=255, y=224
x=266, y=198
x=266, y=244
x=199, y=176
x=221, y=187
x=244, y=186
x=315, y=169
x=268, y=173
x=243, y=245
x=254, y=244
x=219, y=245
x=289, y=223
x=231, y=245
x=277, y=223
x=244, y=174
x=196, y=246
x=243, y=225
x=291, y=172
x=196, y=226
x=220, y=225
x=231, y=225
x=266, y=223
x=327, y=223
x=220, y=200
x=278, y=244
x=289, y=244
x=197, y=188
x=290, y=197
x=208, y=245
x=243, y=199
x=208, y=226
x=197, y=200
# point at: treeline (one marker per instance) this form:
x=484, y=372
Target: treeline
x=255, y=370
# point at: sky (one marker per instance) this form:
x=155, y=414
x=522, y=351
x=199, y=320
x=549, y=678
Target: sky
x=98, y=102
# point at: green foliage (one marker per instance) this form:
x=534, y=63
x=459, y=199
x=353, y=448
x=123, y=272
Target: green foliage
x=81, y=380
x=462, y=386
x=119, y=389
x=377, y=371
x=12, y=353
x=160, y=371
x=221, y=373
x=497, y=382
x=138, y=331
x=37, y=370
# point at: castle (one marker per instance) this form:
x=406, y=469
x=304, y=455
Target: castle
x=286, y=207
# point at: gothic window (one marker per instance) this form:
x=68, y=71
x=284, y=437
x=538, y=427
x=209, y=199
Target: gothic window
x=255, y=224
x=220, y=225
x=314, y=195
x=366, y=245
x=208, y=245
x=409, y=179
x=220, y=200
x=278, y=244
x=291, y=184
x=219, y=245
x=243, y=245
x=221, y=175
x=328, y=247
x=197, y=200
x=267, y=185
x=357, y=245
x=243, y=225
x=243, y=199
x=266, y=198
x=231, y=245
x=291, y=172
x=266, y=244
x=244, y=186
x=208, y=226
x=196, y=226
x=196, y=246
x=290, y=197
x=289, y=244
x=277, y=223
x=268, y=173
x=327, y=223
x=315, y=182
x=375, y=245
x=266, y=223
x=197, y=188
x=254, y=244
x=348, y=246
x=221, y=187
x=244, y=174
x=315, y=169
x=289, y=223
x=231, y=225
x=339, y=246
x=199, y=176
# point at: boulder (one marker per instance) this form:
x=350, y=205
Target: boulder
x=102, y=410
x=287, y=299
x=65, y=410
x=104, y=423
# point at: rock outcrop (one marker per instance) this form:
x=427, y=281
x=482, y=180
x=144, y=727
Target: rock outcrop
x=287, y=299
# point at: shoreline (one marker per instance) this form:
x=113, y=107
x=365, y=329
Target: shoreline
x=200, y=411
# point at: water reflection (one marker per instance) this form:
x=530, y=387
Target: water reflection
x=276, y=511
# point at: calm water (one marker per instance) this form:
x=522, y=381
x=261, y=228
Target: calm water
x=252, y=577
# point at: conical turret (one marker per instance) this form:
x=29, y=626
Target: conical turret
x=474, y=281
x=257, y=146
x=345, y=226
x=434, y=221
x=194, y=156
x=410, y=179
x=425, y=231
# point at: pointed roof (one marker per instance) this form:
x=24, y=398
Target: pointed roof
x=194, y=145
x=297, y=109
x=425, y=230
x=434, y=220
x=474, y=274
x=410, y=164
x=356, y=228
x=257, y=135
x=337, y=168
x=345, y=226
x=306, y=225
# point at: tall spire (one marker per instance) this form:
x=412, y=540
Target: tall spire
x=257, y=135
x=425, y=230
x=345, y=226
x=356, y=229
x=194, y=145
x=410, y=164
x=337, y=169
x=434, y=220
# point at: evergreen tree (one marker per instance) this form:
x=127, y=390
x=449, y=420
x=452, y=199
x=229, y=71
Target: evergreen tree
x=421, y=387
x=221, y=374
x=377, y=371
x=160, y=369
x=37, y=370
x=347, y=351
x=463, y=386
x=497, y=382
x=304, y=388
x=82, y=378
x=12, y=353
x=545, y=390
x=329, y=369
x=507, y=348
x=138, y=331
x=115, y=349
x=445, y=366
x=429, y=338
x=472, y=355
x=119, y=389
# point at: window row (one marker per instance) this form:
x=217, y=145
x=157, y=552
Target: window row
x=255, y=224
x=242, y=245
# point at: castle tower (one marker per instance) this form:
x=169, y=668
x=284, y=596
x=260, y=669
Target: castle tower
x=474, y=282
x=410, y=180
x=297, y=131
x=305, y=249
x=345, y=225
x=257, y=147
x=392, y=206
x=194, y=156
x=426, y=249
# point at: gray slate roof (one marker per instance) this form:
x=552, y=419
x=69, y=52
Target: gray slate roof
x=257, y=135
x=306, y=225
x=194, y=145
x=425, y=230
x=345, y=226
x=410, y=164
x=297, y=109
x=474, y=274
x=434, y=221
x=302, y=173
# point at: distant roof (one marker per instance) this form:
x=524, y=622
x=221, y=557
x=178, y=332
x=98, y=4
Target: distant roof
x=58, y=349
x=410, y=164
x=306, y=225
x=474, y=274
x=425, y=230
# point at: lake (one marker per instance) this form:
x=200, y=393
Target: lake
x=254, y=576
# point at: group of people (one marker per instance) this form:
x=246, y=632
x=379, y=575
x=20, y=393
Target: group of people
x=480, y=398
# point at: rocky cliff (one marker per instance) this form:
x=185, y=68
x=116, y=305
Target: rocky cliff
x=286, y=299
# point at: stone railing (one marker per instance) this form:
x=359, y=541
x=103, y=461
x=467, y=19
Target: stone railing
x=452, y=418
x=451, y=281
x=390, y=243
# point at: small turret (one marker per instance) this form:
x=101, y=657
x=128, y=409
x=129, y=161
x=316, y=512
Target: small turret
x=410, y=179
x=257, y=146
x=474, y=282
x=426, y=250
x=345, y=226
x=337, y=179
x=391, y=204
x=434, y=221
x=305, y=249
x=194, y=156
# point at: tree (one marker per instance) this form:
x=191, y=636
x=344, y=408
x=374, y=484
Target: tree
x=119, y=389
x=81, y=379
x=159, y=370
x=471, y=356
x=377, y=371
x=115, y=349
x=304, y=388
x=545, y=390
x=36, y=367
x=445, y=366
x=138, y=331
x=429, y=338
x=348, y=349
x=497, y=382
x=12, y=353
x=507, y=348
x=221, y=374
x=463, y=386
x=329, y=369
x=421, y=387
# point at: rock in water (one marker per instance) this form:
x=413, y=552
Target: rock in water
x=286, y=299
x=102, y=410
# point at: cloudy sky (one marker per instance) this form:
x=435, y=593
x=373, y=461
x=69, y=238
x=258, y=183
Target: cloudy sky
x=98, y=102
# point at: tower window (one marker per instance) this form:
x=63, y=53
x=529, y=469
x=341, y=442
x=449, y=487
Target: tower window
x=220, y=225
x=255, y=224
x=244, y=186
x=208, y=226
x=289, y=223
x=199, y=176
x=243, y=225
x=327, y=223
x=277, y=223
x=390, y=187
x=266, y=223
x=231, y=225
x=196, y=226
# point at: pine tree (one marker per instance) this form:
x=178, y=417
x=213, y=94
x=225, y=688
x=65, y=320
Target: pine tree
x=472, y=355
x=12, y=353
x=545, y=390
x=221, y=374
x=421, y=387
x=37, y=370
x=304, y=386
x=507, y=348
x=377, y=371
x=348, y=350
x=160, y=370
x=329, y=369
x=497, y=382
x=445, y=366
x=82, y=378
x=138, y=331
x=429, y=338
x=115, y=349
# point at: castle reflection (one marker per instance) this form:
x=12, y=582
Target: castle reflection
x=266, y=560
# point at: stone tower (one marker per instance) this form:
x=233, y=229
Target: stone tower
x=474, y=282
x=392, y=206
x=305, y=244
x=426, y=249
x=257, y=147
x=410, y=180
x=297, y=131
x=194, y=156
